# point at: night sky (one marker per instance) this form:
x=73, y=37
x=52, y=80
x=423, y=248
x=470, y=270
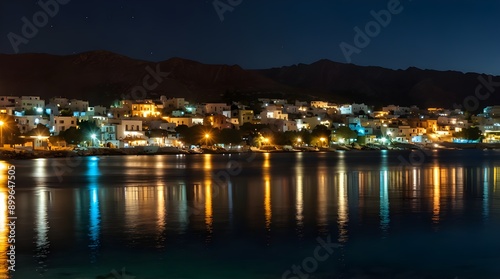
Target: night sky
x=449, y=35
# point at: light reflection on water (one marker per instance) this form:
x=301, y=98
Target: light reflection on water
x=154, y=203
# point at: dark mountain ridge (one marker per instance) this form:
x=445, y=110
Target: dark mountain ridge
x=102, y=77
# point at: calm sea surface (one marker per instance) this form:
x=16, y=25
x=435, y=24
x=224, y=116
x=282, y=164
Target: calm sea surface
x=279, y=215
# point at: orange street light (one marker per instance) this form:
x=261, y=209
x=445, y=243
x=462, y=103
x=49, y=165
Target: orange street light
x=207, y=136
x=299, y=141
x=1, y=133
x=322, y=141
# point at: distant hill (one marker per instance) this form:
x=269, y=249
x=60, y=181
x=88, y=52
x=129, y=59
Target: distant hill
x=378, y=86
x=102, y=77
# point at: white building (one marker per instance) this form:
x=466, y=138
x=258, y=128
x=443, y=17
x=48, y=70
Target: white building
x=62, y=103
x=216, y=108
x=188, y=121
x=173, y=103
x=245, y=116
x=62, y=123
x=31, y=103
x=9, y=101
x=397, y=110
x=357, y=108
x=78, y=105
x=271, y=113
x=27, y=123
x=346, y=109
x=108, y=133
x=291, y=108
x=128, y=128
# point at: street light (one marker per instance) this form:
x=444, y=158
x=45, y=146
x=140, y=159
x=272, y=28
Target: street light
x=299, y=141
x=207, y=136
x=1, y=133
x=93, y=136
x=389, y=135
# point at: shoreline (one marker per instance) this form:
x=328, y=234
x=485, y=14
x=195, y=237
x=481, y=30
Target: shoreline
x=37, y=154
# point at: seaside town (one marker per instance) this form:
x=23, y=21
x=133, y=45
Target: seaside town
x=170, y=125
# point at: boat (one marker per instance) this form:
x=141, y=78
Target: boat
x=195, y=151
x=151, y=149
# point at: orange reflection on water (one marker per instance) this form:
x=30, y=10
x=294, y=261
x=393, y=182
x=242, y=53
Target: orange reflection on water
x=495, y=178
x=207, y=162
x=160, y=209
x=267, y=201
x=266, y=163
x=322, y=201
x=343, y=209
x=299, y=203
x=299, y=190
x=207, y=166
x=436, y=195
x=208, y=206
x=42, y=229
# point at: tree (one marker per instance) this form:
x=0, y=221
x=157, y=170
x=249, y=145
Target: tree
x=230, y=136
x=89, y=128
x=39, y=130
x=196, y=134
x=320, y=131
x=72, y=135
x=157, y=133
x=66, y=112
x=469, y=134
x=345, y=132
x=10, y=130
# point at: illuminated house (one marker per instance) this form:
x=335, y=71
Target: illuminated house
x=9, y=101
x=345, y=109
x=29, y=122
x=245, y=116
x=271, y=113
x=130, y=132
x=188, y=121
x=31, y=103
x=61, y=123
x=145, y=109
x=217, y=121
x=60, y=102
x=216, y=108
x=78, y=105
x=173, y=103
